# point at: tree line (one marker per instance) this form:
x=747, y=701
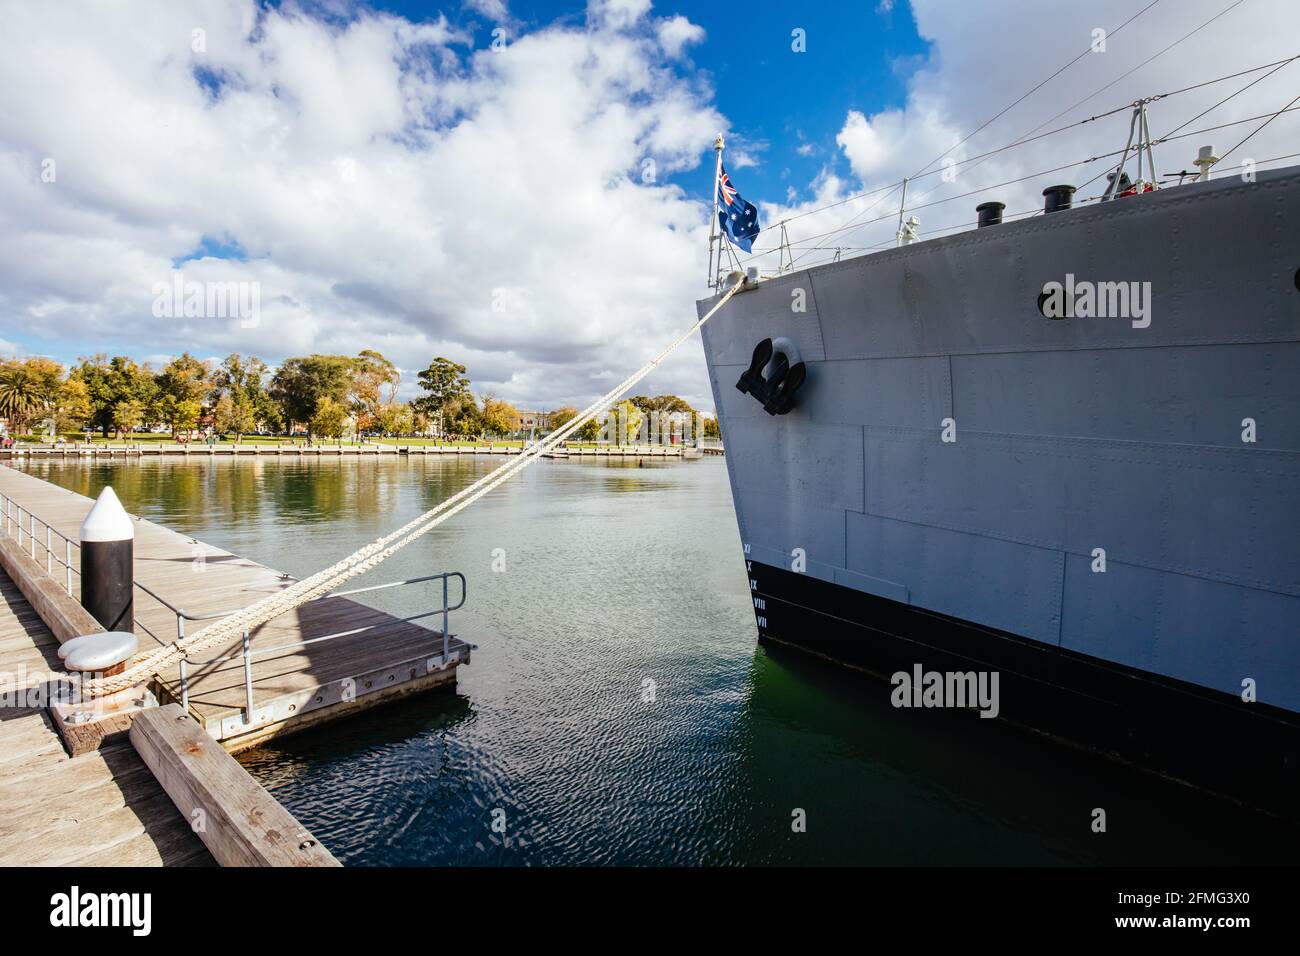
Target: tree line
x=326, y=396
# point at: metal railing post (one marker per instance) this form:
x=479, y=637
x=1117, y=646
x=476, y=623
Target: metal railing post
x=19, y=522
x=31, y=533
x=248, y=682
x=445, y=616
x=49, y=551
x=67, y=564
x=185, y=685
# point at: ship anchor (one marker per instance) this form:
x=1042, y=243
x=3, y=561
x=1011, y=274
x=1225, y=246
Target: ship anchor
x=786, y=373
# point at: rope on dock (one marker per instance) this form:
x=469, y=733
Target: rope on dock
x=363, y=560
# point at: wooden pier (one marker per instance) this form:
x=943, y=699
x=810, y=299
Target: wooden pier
x=379, y=657
x=101, y=809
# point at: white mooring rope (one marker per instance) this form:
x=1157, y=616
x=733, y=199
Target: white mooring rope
x=322, y=582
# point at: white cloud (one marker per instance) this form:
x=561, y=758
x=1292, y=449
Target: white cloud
x=494, y=9
x=618, y=14
x=676, y=32
x=389, y=186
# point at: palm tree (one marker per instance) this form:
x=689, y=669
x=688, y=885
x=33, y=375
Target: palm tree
x=20, y=396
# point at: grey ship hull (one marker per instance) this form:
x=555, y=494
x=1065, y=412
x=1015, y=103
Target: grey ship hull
x=1071, y=435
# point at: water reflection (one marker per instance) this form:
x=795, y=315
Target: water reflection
x=615, y=580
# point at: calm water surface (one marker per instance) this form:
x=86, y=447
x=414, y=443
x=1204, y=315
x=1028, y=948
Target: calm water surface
x=613, y=576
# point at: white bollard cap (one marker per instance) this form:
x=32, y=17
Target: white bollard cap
x=67, y=647
x=99, y=652
x=107, y=520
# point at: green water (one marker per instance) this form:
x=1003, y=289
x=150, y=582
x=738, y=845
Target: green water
x=615, y=576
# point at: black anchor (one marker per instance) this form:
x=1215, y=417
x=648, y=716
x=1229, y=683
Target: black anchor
x=776, y=392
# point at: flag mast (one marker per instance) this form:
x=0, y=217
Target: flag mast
x=713, y=225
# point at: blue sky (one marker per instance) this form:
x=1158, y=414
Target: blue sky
x=858, y=56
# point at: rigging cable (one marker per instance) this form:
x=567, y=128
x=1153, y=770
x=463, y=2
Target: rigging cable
x=1040, y=85
x=1117, y=79
x=322, y=582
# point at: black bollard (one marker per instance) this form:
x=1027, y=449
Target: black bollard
x=107, y=564
x=1057, y=198
x=990, y=213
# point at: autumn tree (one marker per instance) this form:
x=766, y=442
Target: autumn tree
x=562, y=416
x=374, y=387
x=624, y=423
x=499, y=416
x=128, y=415
x=74, y=408
x=394, y=418
x=330, y=419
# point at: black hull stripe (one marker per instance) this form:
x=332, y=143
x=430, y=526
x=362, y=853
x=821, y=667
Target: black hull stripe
x=1246, y=751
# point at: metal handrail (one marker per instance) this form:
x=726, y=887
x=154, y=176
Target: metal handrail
x=12, y=513
x=247, y=653
x=183, y=614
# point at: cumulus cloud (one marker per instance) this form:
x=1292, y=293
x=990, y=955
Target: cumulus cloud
x=389, y=186
x=618, y=13
x=495, y=9
x=676, y=33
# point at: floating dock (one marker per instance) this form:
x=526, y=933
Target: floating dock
x=324, y=660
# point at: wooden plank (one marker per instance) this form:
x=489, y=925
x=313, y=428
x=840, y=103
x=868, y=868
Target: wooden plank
x=64, y=845
x=105, y=809
x=244, y=825
x=173, y=845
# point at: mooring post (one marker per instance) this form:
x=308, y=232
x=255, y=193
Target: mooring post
x=107, y=564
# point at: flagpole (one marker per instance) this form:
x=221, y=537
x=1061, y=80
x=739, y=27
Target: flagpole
x=713, y=225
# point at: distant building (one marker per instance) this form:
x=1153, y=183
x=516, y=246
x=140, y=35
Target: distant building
x=526, y=421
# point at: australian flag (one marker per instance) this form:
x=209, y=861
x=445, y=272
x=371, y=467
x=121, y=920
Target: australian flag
x=738, y=218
